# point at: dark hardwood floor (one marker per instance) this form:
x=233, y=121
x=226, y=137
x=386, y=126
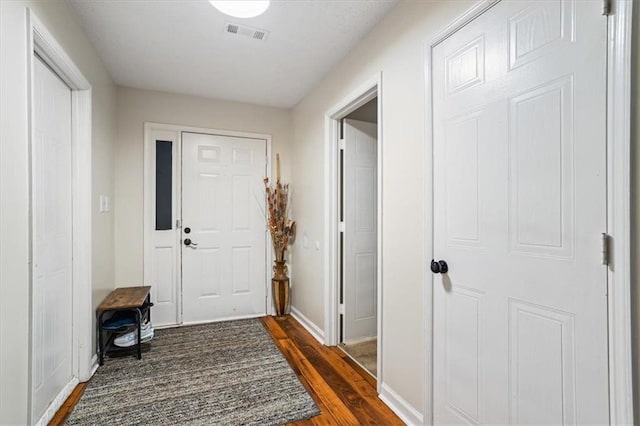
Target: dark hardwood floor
x=344, y=392
x=68, y=405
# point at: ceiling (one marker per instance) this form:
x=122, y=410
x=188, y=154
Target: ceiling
x=182, y=46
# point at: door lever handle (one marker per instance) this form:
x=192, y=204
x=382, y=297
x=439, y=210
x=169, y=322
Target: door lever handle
x=188, y=242
x=439, y=267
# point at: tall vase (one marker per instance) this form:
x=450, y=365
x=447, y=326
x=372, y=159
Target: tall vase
x=280, y=282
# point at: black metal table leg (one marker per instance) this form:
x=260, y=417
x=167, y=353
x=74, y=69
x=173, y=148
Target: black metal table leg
x=139, y=321
x=100, y=338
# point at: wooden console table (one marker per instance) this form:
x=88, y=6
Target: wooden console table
x=134, y=299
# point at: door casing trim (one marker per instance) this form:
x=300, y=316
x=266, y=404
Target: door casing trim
x=619, y=34
x=148, y=220
x=364, y=93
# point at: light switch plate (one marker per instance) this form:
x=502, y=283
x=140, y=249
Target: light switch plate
x=105, y=204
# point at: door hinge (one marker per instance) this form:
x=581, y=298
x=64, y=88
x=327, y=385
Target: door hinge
x=341, y=144
x=606, y=7
x=341, y=227
x=178, y=224
x=341, y=309
x=605, y=248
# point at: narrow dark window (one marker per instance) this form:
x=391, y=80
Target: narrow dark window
x=163, y=185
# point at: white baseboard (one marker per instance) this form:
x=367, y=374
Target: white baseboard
x=315, y=331
x=400, y=406
x=94, y=366
x=57, y=402
x=223, y=319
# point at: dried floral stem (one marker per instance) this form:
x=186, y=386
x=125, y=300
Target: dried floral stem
x=281, y=227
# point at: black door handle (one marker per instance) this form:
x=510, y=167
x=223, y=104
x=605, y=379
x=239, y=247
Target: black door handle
x=188, y=242
x=439, y=267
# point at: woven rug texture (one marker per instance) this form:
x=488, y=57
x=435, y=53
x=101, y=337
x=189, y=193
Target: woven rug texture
x=226, y=373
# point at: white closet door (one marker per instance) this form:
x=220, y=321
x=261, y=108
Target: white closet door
x=520, y=319
x=360, y=235
x=224, y=269
x=52, y=250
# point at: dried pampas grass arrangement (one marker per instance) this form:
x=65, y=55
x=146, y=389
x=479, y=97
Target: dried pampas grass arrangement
x=281, y=226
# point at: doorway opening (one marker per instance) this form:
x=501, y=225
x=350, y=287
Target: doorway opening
x=358, y=235
x=353, y=200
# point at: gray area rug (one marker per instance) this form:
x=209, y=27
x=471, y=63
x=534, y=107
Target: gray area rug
x=226, y=373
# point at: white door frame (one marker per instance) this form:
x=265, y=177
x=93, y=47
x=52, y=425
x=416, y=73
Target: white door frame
x=84, y=360
x=149, y=220
x=618, y=204
x=367, y=91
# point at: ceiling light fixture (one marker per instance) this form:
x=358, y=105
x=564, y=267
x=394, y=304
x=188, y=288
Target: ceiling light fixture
x=241, y=8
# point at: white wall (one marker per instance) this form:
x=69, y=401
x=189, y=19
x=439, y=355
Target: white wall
x=14, y=185
x=137, y=106
x=395, y=47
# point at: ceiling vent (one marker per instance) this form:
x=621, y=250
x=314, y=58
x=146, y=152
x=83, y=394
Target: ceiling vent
x=246, y=31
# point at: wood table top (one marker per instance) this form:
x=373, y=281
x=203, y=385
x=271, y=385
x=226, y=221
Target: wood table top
x=125, y=298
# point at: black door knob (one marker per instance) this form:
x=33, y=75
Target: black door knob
x=187, y=241
x=187, y=230
x=439, y=267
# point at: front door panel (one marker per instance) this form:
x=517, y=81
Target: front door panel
x=223, y=227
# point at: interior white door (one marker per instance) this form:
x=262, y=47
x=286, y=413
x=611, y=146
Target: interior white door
x=52, y=249
x=360, y=230
x=520, y=319
x=224, y=266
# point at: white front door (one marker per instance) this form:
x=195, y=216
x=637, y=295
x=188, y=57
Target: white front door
x=52, y=249
x=223, y=227
x=520, y=319
x=360, y=230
